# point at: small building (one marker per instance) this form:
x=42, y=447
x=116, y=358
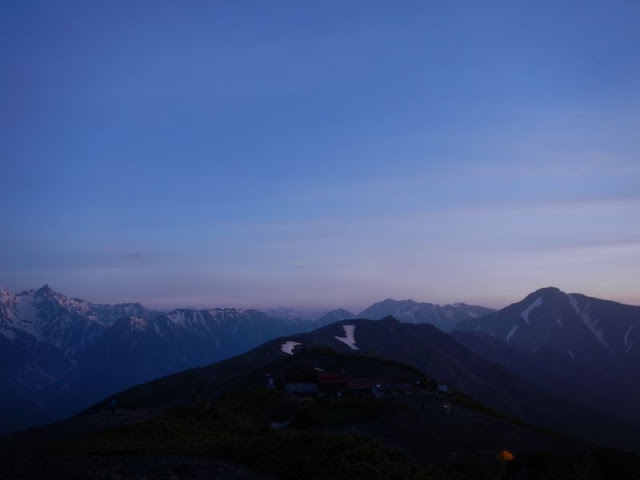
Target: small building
x=302, y=381
x=385, y=390
x=310, y=381
x=365, y=385
x=302, y=389
x=331, y=383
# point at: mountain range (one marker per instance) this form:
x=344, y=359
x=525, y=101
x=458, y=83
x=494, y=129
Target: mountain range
x=401, y=353
x=446, y=317
x=68, y=324
x=542, y=358
x=59, y=353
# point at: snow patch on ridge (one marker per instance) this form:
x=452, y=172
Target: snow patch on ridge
x=591, y=323
x=177, y=318
x=287, y=347
x=138, y=324
x=349, y=338
x=513, y=330
x=626, y=338
x=525, y=313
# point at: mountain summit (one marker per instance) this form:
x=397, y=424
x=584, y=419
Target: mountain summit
x=574, y=324
x=581, y=348
x=69, y=324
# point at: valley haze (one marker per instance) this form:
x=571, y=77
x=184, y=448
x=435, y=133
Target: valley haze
x=62, y=353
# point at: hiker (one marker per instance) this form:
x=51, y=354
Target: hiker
x=113, y=405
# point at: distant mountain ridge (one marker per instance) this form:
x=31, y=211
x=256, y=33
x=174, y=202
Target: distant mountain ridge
x=445, y=317
x=293, y=314
x=334, y=316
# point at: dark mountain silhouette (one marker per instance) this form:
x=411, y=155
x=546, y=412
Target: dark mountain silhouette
x=184, y=427
x=581, y=348
x=136, y=350
x=431, y=352
x=578, y=326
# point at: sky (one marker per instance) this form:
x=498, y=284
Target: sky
x=320, y=154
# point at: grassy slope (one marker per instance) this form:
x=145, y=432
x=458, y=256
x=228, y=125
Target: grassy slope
x=356, y=438
x=236, y=428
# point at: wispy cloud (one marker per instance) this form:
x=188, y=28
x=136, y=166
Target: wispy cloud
x=555, y=166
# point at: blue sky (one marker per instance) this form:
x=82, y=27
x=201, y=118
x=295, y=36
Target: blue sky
x=320, y=154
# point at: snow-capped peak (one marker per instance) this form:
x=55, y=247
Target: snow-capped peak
x=51, y=317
